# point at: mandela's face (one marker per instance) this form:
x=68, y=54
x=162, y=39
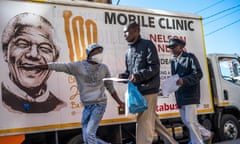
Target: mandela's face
x=30, y=46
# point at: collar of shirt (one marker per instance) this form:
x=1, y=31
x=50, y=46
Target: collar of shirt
x=176, y=59
x=20, y=93
x=134, y=43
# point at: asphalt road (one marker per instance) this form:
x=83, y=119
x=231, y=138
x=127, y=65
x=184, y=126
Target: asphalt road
x=230, y=142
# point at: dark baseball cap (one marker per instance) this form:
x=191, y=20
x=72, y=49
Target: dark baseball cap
x=174, y=41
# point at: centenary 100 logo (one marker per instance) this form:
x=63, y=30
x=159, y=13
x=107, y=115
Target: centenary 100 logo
x=79, y=34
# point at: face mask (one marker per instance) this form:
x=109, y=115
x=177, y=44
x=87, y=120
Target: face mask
x=98, y=58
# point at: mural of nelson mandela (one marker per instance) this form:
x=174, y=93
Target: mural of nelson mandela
x=28, y=39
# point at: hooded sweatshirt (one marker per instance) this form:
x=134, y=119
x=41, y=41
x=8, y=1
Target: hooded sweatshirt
x=89, y=80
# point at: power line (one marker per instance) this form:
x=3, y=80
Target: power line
x=221, y=17
x=221, y=12
x=209, y=6
x=118, y=2
x=222, y=27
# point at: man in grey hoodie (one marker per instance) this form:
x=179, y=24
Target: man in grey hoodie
x=89, y=74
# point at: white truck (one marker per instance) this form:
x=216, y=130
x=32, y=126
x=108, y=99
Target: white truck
x=77, y=24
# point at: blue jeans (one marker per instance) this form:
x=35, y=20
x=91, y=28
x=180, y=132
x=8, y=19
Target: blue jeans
x=91, y=117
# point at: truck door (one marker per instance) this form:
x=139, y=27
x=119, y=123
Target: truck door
x=229, y=97
x=230, y=80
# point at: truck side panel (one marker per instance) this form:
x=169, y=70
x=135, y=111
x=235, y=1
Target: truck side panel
x=76, y=25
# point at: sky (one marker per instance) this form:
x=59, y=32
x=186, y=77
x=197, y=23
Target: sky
x=221, y=19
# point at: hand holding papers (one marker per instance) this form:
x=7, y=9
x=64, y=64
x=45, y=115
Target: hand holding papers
x=169, y=85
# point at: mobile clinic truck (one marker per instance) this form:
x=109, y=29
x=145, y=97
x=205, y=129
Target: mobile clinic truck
x=77, y=24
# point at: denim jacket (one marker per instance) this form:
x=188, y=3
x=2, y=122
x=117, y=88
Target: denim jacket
x=142, y=61
x=188, y=68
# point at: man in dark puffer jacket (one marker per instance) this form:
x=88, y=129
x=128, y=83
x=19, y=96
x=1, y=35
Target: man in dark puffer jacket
x=142, y=68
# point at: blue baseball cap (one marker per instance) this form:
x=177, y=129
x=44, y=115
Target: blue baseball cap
x=92, y=47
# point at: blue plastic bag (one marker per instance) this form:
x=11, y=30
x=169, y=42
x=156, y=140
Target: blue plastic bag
x=136, y=102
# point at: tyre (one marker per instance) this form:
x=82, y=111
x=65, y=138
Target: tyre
x=207, y=123
x=229, y=127
x=76, y=140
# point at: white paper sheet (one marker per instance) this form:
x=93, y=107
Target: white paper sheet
x=126, y=104
x=169, y=85
x=115, y=79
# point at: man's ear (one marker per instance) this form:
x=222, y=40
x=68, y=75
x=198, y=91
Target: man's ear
x=5, y=58
x=5, y=54
x=136, y=30
x=184, y=49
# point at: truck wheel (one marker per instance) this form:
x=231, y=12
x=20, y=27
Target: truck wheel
x=207, y=123
x=229, y=127
x=76, y=140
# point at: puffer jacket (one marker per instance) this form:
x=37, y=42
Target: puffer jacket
x=143, y=62
x=188, y=68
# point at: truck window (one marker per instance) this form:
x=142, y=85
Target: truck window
x=230, y=69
